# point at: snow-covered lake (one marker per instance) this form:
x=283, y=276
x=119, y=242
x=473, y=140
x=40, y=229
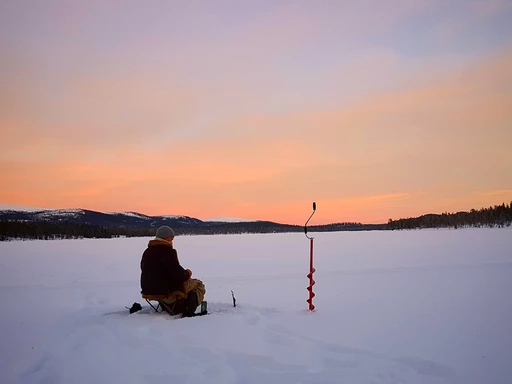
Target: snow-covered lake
x=430, y=306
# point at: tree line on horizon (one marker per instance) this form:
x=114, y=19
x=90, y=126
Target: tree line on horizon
x=48, y=230
x=493, y=216
x=497, y=216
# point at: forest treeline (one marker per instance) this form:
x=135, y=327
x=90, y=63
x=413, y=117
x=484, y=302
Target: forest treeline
x=497, y=216
x=48, y=230
x=44, y=230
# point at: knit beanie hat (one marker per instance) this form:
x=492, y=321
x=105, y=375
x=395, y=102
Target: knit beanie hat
x=164, y=231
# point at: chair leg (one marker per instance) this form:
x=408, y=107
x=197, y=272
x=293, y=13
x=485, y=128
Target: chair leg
x=152, y=306
x=167, y=308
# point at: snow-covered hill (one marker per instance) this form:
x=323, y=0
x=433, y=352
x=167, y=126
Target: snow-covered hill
x=35, y=214
x=131, y=219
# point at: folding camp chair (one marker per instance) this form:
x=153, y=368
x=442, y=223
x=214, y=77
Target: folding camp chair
x=161, y=305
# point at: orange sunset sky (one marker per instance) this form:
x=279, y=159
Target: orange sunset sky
x=255, y=109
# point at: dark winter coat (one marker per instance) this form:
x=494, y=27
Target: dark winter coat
x=161, y=272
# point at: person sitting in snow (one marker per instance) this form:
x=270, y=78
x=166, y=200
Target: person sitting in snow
x=163, y=277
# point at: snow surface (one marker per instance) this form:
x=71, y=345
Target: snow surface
x=43, y=212
x=75, y=212
x=132, y=214
x=22, y=208
x=430, y=306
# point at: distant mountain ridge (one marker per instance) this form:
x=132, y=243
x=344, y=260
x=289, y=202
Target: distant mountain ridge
x=110, y=219
x=71, y=223
x=77, y=223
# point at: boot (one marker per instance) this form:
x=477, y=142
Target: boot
x=191, y=303
x=204, y=308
